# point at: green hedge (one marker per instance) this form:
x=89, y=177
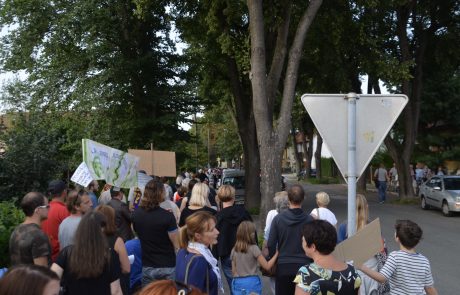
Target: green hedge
x=10, y=217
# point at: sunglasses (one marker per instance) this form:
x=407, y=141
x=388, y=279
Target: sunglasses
x=44, y=207
x=182, y=289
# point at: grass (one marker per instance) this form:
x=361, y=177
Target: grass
x=254, y=211
x=406, y=201
x=323, y=180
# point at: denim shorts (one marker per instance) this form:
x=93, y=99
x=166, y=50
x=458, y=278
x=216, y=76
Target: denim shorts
x=151, y=274
x=246, y=285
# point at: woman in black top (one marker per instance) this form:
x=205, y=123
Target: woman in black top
x=89, y=266
x=198, y=202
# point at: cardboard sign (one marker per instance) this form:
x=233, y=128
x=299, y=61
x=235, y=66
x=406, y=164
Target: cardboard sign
x=158, y=163
x=363, y=245
x=82, y=176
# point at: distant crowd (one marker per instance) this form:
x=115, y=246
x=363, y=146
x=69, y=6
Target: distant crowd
x=188, y=238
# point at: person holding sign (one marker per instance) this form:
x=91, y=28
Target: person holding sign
x=325, y=274
x=376, y=262
x=409, y=272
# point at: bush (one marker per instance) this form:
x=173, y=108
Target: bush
x=10, y=217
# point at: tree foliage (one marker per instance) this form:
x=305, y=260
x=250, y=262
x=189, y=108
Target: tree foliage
x=99, y=59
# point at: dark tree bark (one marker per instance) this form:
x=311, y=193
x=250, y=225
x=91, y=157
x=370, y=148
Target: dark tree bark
x=319, y=146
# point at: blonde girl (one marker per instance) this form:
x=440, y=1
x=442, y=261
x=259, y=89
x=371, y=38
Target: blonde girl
x=245, y=255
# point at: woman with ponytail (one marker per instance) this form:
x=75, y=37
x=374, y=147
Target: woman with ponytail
x=195, y=264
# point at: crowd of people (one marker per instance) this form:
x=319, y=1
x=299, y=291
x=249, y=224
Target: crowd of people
x=189, y=238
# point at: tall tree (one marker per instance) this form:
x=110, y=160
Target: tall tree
x=104, y=60
x=218, y=62
x=271, y=132
x=419, y=25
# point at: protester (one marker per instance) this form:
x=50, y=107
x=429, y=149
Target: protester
x=409, y=272
x=116, y=243
x=93, y=188
x=228, y=219
x=113, y=238
x=28, y=243
x=29, y=280
x=157, y=231
x=57, y=189
x=381, y=176
x=322, y=212
x=122, y=214
x=190, y=184
x=281, y=203
x=195, y=264
x=326, y=274
x=78, y=203
x=135, y=193
x=169, y=287
x=245, y=257
x=168, y=188
x=285, y=235
x=368, y=286
x=133, y=248
x=170, y=206
x=105, y=196
x=89, y=266
x=197, y=202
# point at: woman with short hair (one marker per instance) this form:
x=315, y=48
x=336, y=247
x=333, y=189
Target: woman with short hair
x=89, y=266
x=325, y=274
x=29, y=280
x=198, y=202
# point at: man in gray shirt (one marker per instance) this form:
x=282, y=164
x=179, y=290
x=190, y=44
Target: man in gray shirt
x=78, y=203
x=381, y=175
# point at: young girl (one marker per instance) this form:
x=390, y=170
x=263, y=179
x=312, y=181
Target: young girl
x=245, y=256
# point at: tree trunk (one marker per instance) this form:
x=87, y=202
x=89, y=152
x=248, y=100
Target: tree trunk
x=309, y=156
x=272, y=136
x=319, y=146
x=298, y=156
x=402, y=152
x=251, y=169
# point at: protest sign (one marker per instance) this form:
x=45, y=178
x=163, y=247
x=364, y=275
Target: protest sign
x=361, y=246
x=82, y=176
x=118, y=168
x=159, y=163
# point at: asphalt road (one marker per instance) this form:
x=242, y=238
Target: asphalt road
x=441, y=235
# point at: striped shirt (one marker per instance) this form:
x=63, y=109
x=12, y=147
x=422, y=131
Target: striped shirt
x=408, y=273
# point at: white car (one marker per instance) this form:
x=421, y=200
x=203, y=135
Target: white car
x=441, y=192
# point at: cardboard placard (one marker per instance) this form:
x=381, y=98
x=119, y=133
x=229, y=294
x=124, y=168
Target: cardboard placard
x=363, y=245
x=158, y=163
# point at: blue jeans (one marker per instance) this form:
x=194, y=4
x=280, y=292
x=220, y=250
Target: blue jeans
x=151, y=274
x=246, y=285
x=382, y=190
x=227, y=269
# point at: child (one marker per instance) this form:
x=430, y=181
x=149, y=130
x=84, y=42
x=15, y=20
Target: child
x=245, y=255
x=408, y=271
x=322, y=212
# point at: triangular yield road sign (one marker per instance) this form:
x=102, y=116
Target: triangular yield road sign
x=375, y=115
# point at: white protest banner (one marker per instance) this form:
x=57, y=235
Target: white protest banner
x=122, y=169
x=97, y=158
x=82, y=176
x=116, y=167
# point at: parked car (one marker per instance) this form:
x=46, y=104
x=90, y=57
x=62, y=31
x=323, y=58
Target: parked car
x=235, y=178
x=441, y=192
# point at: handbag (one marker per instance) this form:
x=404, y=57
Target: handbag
x=186, y=274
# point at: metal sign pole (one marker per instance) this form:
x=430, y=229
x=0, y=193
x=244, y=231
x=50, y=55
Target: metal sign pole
x=351, y=97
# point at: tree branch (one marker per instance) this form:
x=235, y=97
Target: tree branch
x=292, y=71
